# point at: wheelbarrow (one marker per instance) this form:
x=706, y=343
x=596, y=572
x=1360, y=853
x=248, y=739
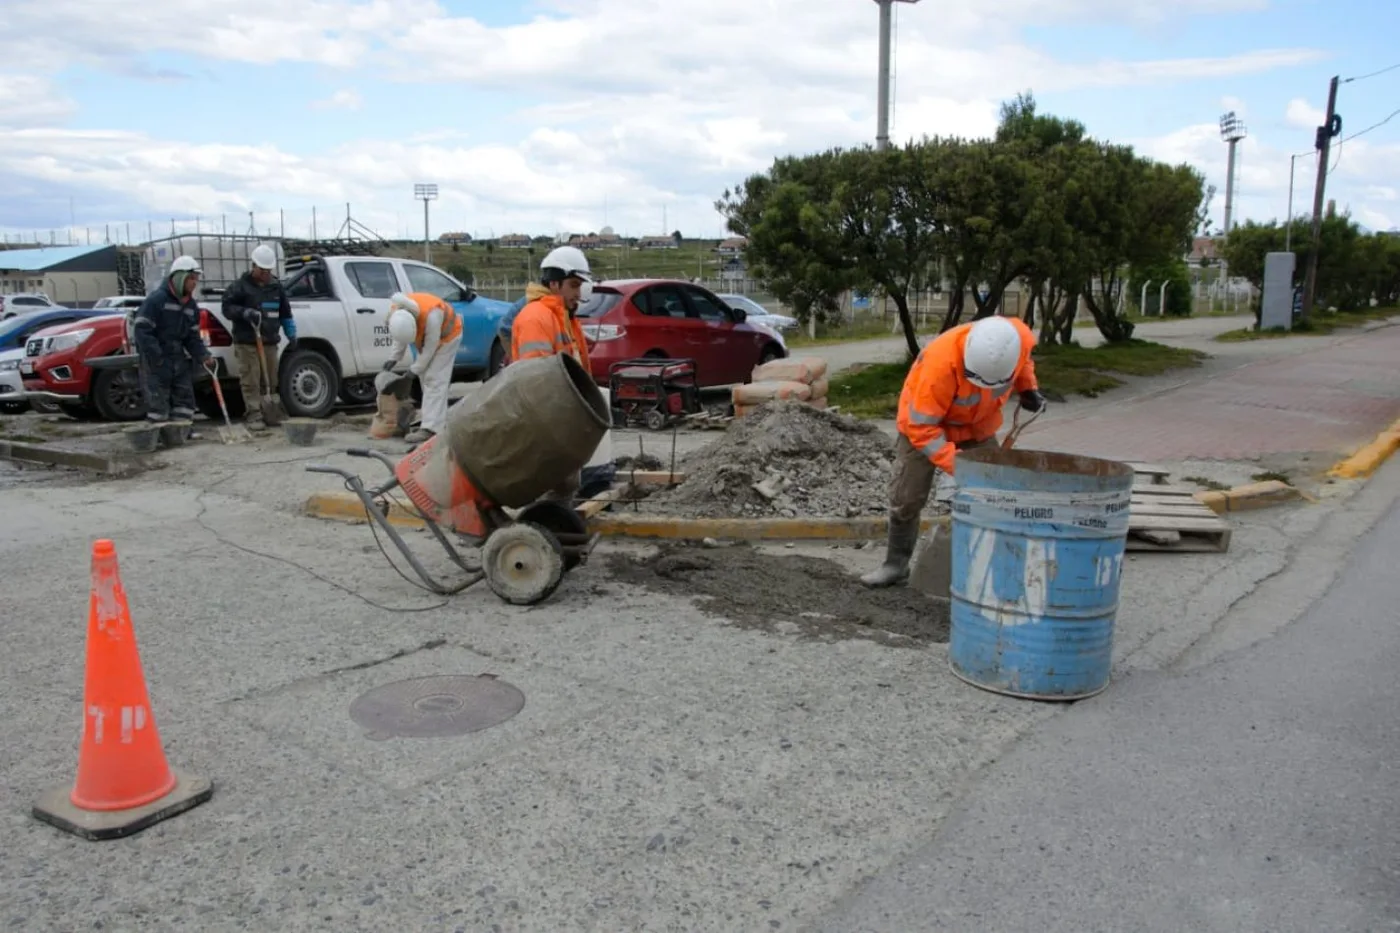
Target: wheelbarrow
x=522, y=558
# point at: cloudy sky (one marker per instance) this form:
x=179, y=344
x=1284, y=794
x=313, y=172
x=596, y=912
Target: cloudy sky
x=543, y=116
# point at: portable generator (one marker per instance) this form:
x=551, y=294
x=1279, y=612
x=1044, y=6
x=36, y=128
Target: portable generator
x=653, y=391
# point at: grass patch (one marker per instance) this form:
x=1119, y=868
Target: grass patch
x=1268, y=475
x=872, y=391
x=1206, y=482
x=1320, y=325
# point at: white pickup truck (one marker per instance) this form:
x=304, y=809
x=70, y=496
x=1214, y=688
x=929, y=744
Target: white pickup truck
x=341, y=308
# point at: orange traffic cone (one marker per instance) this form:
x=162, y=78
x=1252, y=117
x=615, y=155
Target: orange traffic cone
x=124, y=783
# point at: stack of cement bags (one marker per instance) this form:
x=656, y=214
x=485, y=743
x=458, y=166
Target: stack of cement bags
x=801, y=378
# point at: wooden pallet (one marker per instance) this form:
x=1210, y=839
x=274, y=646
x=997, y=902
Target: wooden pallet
x=1160, y=507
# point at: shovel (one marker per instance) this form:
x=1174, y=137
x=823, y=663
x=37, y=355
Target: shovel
x=230, y=433
x=271, y=408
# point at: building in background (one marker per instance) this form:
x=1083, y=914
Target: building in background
x=75, y=276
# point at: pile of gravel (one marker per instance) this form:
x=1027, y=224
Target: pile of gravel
x=813, y=463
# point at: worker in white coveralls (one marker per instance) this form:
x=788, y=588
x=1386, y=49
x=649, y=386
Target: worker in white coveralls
x=434, y=329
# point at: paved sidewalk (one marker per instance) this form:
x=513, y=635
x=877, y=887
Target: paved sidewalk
x=1329, y=398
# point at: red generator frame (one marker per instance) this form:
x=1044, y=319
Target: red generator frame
x=653, y=391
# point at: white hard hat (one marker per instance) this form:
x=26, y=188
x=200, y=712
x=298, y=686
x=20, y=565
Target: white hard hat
x=265, y=258
x=992, y=351
x=568, y=260
x=185, y=264
x=402, y=326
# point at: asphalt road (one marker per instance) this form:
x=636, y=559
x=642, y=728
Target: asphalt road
x=1255, y=792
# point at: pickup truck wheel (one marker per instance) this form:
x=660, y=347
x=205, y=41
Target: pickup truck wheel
x=75, y=410
x=358, y=391
x=117, y=396
x=208, y=403
x=309, y=385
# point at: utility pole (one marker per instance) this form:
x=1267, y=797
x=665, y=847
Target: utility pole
x=426, y=193
x=882, y=131
x=1331, y=126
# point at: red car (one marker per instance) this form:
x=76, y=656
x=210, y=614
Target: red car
x=90, y=367
x=631, y=318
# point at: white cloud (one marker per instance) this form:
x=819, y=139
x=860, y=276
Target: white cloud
x=1303, y=115
x=341, y=100
x=1360, y=178
x=636, y=105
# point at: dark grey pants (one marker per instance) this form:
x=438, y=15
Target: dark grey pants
x=168, y=387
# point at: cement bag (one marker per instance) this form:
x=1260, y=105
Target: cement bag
x=804, y=369
x=527, y=429
x=817, y=402
x=819, y=389
x=756, y=393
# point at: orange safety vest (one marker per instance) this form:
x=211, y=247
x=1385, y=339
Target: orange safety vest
x=543, y=328
x=939, y=407
x=451, y=320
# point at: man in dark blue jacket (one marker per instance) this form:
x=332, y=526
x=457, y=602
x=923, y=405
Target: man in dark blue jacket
x=168, y=341
x=257, y=305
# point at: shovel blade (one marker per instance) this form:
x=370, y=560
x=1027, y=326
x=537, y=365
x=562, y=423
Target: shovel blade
x=932, y=570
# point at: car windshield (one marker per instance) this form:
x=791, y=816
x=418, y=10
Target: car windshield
x=599, y=304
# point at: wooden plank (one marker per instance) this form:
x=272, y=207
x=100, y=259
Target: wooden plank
x=1169, y=510
x=1189, y=544
x=592, y=507
x=1175, y=523
x=1163, y=489
x=651, y=477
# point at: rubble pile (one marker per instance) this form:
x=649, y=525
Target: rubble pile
x=785, y=459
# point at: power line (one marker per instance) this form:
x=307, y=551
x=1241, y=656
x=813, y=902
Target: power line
x=1372, y=74
x=1373, y=126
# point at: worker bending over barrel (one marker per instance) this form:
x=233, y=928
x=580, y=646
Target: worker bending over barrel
x=951, y=401
x=434, y=329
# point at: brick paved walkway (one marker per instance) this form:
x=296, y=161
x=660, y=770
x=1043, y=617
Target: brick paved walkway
x=1331, y=399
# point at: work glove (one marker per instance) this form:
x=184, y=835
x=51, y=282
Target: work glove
x=252, y=316
x=1032, y=401
x=291, y=344
x=388, y=365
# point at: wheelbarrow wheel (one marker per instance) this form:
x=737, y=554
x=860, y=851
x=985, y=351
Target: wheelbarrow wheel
x=523, y=563
x=560, y=519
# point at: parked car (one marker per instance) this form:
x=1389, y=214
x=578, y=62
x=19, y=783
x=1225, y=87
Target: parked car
x=14, y=334
x=629, y=318
x=341, y=306
x=758, y=314
x=81, y=369
x=11, y=305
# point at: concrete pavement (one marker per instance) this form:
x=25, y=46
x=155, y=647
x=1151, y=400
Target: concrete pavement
x=1252, y=792
x=669, y=771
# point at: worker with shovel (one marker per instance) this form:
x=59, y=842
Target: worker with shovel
x=951, y=400
x=433, y=329
x=257, y=305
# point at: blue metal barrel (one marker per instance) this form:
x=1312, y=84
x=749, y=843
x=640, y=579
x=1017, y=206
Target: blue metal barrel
x=1037, y=541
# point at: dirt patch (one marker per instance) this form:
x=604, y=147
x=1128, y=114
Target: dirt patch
x=786, y=593
x=807, y=461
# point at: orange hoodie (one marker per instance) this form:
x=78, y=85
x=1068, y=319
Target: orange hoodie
x=544, y=328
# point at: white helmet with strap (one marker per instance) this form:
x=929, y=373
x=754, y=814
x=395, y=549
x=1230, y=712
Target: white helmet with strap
x=403, y=318
x=568, y=260
x=991, y=353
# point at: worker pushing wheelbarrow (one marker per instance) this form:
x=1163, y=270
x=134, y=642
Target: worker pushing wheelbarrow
x=505, y=447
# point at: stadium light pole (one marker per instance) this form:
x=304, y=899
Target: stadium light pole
x=426, y=193
x=1232, y=130
x=882, y=132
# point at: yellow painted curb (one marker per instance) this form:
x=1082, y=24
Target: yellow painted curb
x=1250, y=496
x=346, y=507
x=660, y=527
x=1369, y=458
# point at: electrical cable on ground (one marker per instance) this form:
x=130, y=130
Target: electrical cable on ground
x=204, y=507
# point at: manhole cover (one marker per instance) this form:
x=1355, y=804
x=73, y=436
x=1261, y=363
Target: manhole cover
x=436, y=707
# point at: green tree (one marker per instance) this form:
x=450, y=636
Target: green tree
x=793, y=240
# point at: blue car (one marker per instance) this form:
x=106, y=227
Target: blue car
x=16, y=330
x=480, y=351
